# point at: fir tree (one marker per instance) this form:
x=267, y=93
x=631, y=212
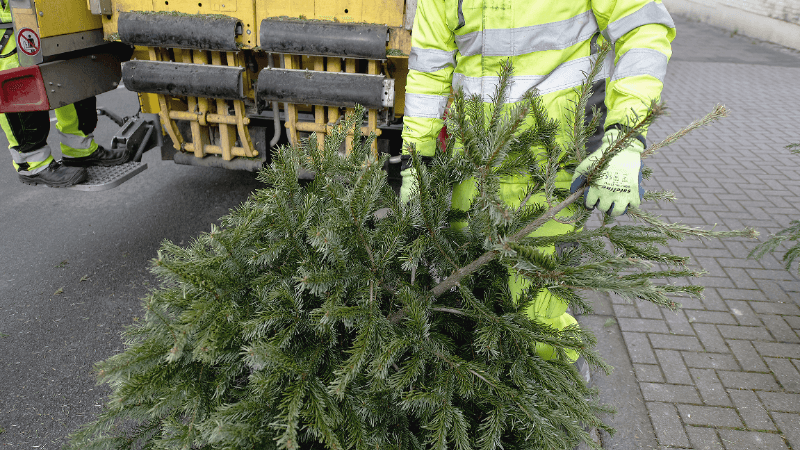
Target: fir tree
x=327, y=315
x=790, y=233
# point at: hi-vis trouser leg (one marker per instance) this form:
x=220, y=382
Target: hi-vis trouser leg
x=27, y=140
x=547, y=308
x=75, y=125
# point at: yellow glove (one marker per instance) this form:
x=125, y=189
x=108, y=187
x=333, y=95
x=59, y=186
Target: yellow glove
x=620, y=184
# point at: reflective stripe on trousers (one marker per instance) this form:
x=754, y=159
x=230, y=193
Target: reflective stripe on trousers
x=27, y=139
x=75, y=125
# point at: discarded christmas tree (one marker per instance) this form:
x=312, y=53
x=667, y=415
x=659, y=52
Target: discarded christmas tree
x=329, y=315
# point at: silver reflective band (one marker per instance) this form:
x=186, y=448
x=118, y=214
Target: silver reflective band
x=568, y=75
x=35, y=156
x=31, y=157
x=430, y=60
x=648, y=14
x=536, y=38
x=425, y=105
x=76, y=142
x=641, y=61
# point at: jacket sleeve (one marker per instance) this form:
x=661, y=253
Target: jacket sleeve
x=430, y=74
x=641, y=32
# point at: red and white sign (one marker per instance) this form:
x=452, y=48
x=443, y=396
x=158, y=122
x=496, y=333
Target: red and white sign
x=28, y=42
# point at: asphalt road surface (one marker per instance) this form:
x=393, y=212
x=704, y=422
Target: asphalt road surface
x=73, y=271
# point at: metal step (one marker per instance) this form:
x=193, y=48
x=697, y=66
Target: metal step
x=103, y=178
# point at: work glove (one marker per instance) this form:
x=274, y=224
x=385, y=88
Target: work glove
x=620, y=184
x=408, y=184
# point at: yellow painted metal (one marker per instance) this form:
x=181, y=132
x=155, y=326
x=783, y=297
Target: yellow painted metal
x=398, y=70
x=149, y=103
x=334, y=65
x=319, y=111
x=25, y=18
x=387, y=12
x=279, y=8
x=400, y=39
x=57, y=17
x=349, y=67
x=219, y=126
x=291, y=62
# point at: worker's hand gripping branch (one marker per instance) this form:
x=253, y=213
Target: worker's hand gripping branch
x=613, y=173
x=619, y=185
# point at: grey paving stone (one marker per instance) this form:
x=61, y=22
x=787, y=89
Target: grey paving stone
x=711, y=266
x=778, y=349
x=780, y=401
x=703, y=438
x=642, y=325
x=785, y=372
x=779, y=273
x=710, y=388
x=741, y=294
x=674, y=342
x=713, y=301
x=788, y=309
x=648, y=373
x=741, y=278
x=667, y=424
x=745, y=333
x=779, y=328
x=793, y=321
x=789, y=424
x=673, y=367
x=705, y=360
x=711, y=416
x=743, y=312
x=678, y=323
x=717, y=317
x=649, y=310
x=625, y=311
x=748, y=380
x=751, y=440
x=751, y=410
x=772, y=290
x=639, y=348
x=669, y=393
x=710, y=337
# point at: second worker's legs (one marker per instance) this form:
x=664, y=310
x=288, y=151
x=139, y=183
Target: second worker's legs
x=27, y=141
x=76, y=124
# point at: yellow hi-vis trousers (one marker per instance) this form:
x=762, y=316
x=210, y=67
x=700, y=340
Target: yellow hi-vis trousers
x=546, y=308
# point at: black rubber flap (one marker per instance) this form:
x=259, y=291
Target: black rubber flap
x=324, y=39
x=173, y=31
x=319, y=88
x=193, y=80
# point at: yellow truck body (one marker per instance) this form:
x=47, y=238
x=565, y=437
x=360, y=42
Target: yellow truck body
x=221, y=73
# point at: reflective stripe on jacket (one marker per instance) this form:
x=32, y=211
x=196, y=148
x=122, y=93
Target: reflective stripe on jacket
x=461, y=43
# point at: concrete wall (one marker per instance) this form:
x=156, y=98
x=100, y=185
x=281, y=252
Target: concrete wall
x=770, y=20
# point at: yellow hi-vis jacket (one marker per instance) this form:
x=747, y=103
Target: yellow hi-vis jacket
x=461, y=43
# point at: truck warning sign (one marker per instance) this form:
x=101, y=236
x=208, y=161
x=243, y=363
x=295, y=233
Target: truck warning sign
x=28, y=42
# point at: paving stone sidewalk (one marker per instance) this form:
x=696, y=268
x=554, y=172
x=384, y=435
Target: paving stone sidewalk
x=724, y=371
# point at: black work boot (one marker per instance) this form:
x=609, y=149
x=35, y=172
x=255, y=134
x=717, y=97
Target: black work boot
x=55, y=175
x=100, y=157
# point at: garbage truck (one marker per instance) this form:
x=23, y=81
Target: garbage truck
x=219, y=82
